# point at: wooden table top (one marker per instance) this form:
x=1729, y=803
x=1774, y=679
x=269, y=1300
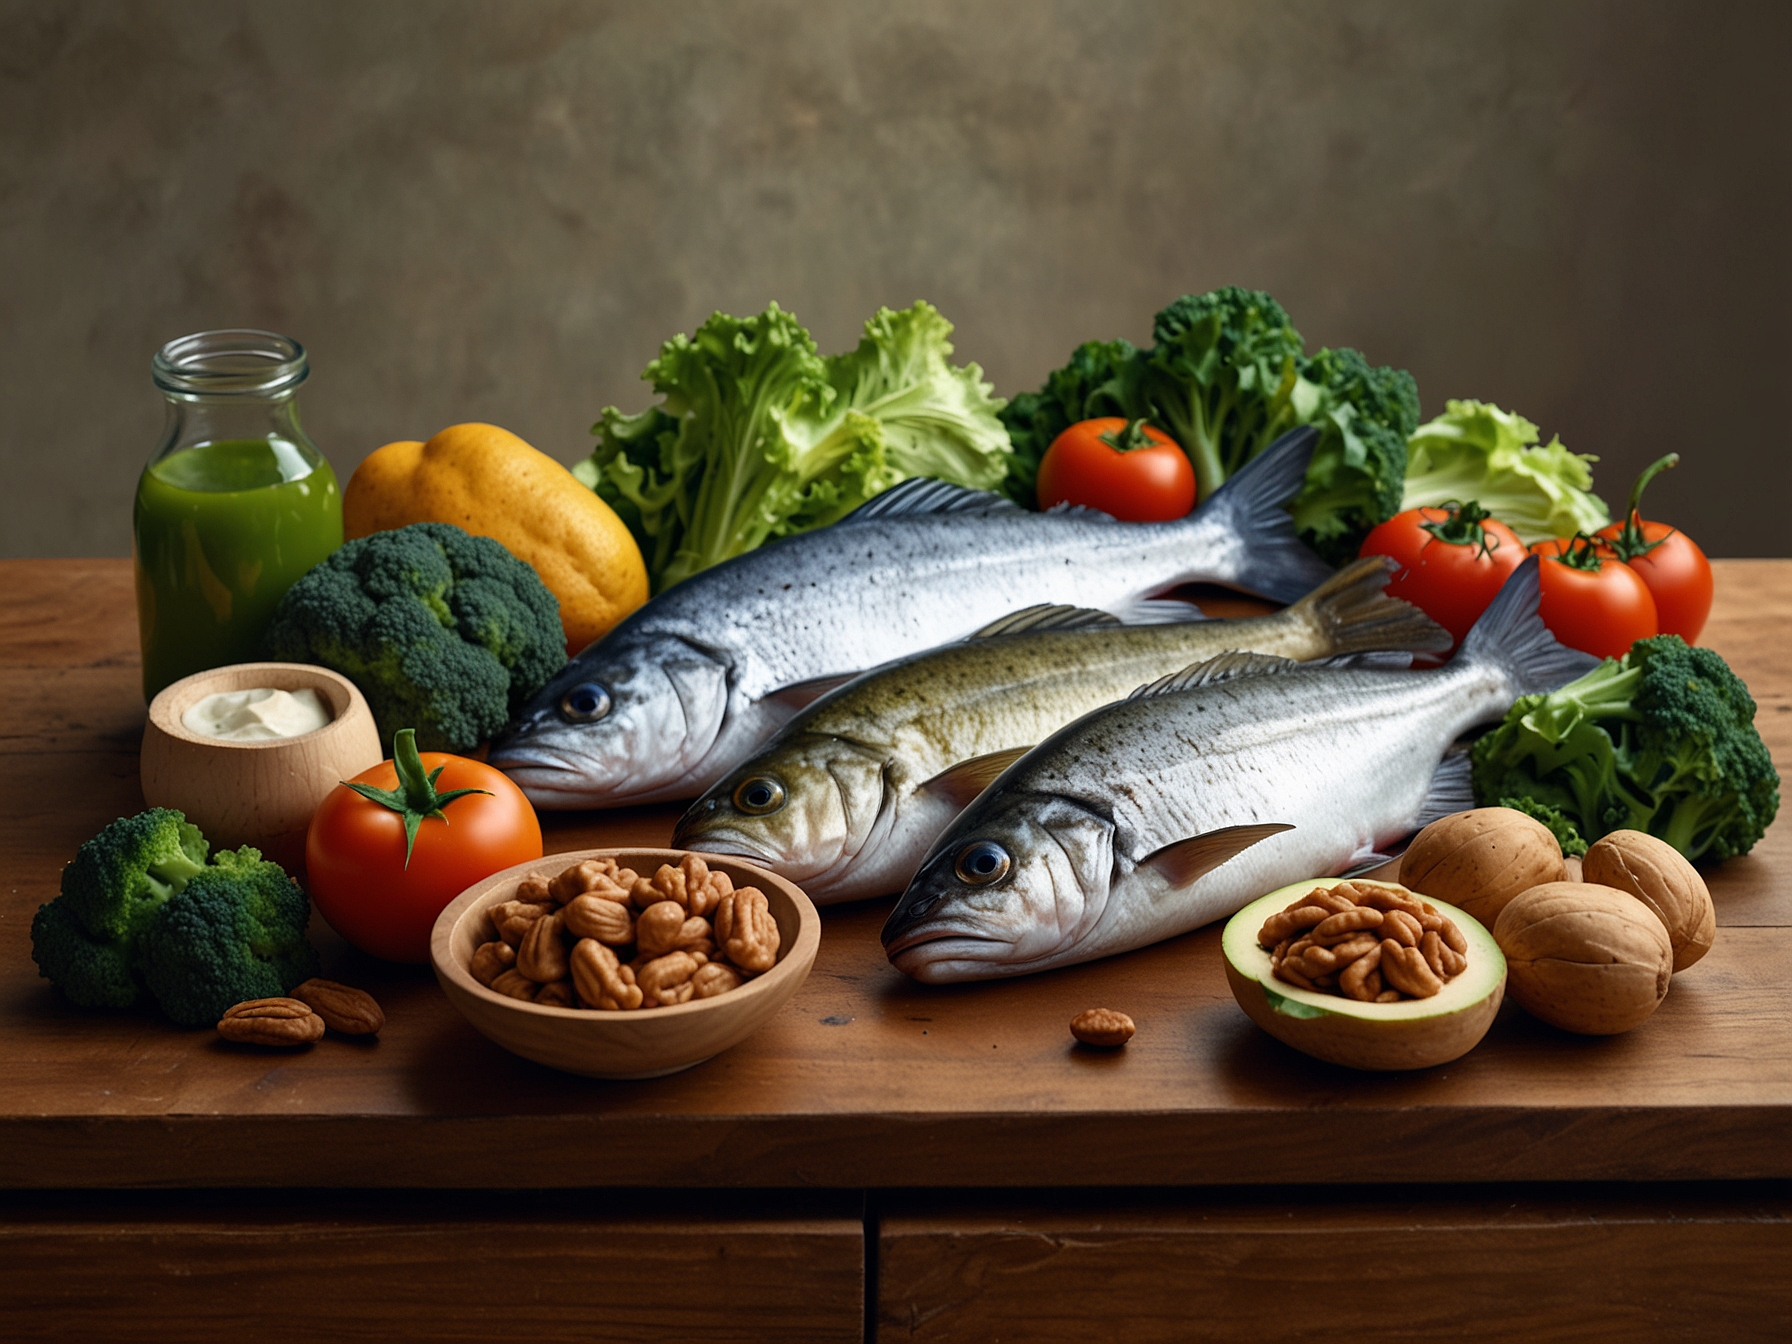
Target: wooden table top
x=864, y=1079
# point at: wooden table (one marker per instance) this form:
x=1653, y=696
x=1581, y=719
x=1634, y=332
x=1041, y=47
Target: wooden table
x=884, y=1158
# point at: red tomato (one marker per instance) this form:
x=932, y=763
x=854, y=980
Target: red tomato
x=1453, y=560
x=1592, y=601
x=355, y=850
x=1668, y=561
x=1131, y=471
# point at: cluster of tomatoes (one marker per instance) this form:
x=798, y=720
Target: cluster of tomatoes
x=1601, y=593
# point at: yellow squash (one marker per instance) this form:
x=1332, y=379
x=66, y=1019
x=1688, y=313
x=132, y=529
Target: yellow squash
x=491, y=483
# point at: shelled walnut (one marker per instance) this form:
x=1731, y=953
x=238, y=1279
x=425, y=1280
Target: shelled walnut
x=601, y=936
x=1364, y=942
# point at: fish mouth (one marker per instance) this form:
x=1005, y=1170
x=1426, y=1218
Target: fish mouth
x=731, y=843
x=941, y=933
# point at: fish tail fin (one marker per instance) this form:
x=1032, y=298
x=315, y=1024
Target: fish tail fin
x=1353, y=613
x=1512, y=637
x=1253, y=507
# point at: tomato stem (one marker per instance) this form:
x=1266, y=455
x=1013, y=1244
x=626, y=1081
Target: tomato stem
x=415, y=797
x=1128, y=440
x=1630, y=541
x=1463, y=527
x=1583, y=553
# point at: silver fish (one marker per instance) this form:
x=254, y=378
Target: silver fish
x=1179, y=806
x=846, y=799
x=685, y=688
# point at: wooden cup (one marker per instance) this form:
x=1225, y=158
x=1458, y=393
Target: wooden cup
x=256, y=793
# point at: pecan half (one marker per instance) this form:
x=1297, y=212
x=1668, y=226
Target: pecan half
x=512, y=918
x=589, y=915
x=514, y=984
x=1103, y=1027
x=667, y=979
x=715, y=978
x=664, y=927
x=746, y=930
x=490, y=960
x=601, y=980
x=542, y=956
x=279, y=1021
x=353, y=1012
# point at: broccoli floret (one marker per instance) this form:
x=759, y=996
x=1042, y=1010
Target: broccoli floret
x=1358, y=472
x=1100, y=379
x=1662, y=740
x=444, y=632
x=121, y=877
x=92, y=972
x=1567, y=836
x=235, y=932
x=1225, y=377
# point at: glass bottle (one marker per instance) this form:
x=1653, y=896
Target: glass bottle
x=234, y=506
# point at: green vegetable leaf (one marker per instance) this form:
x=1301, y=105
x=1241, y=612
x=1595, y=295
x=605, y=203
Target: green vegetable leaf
x=1477, y=451
x=757, y=436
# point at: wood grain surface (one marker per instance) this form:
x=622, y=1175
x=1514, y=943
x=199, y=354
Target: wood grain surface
x=1373, y=1262
x=864, y=1078
x=627, y=1266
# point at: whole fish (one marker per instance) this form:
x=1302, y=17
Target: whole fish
x=847, y=797
x=685, y=688
x=1156, y=815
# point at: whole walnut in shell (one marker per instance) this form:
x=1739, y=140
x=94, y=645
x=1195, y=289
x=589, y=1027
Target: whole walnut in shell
x=1480, y=859
x=1659, y=876
x=1583, y=957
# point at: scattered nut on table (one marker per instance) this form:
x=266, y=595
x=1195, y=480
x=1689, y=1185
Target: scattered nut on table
x=353, y=1012
x=1103, y=1027
x=271, y=1022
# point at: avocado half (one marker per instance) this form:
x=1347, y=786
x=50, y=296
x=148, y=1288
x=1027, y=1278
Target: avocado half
x=1414, y=1034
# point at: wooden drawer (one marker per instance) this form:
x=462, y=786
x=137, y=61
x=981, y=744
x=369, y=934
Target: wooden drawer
x=1375, y=1263
x=464, y=1269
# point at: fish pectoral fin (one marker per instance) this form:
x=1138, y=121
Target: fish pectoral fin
x=1045, y=616
x=802, y=694
x=1452, y=789
x=1182, y=861
x=960, y=783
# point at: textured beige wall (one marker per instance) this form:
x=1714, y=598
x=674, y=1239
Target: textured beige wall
x=498, y=211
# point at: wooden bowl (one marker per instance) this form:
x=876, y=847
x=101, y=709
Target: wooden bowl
x=256, y=793
x=645, y=1042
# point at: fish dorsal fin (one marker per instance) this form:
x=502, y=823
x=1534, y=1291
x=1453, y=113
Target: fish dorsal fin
x=1451, y=789
x=802, y=694
x=921, y=495
x=1046, y=617
x=1183, y=861
x=1221, y=667
x=1065, y=509
x=963, y=782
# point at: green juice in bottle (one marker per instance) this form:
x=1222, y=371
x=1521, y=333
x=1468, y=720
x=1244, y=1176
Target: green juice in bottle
x=226, y=518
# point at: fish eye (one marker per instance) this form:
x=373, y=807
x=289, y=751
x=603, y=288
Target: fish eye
x=759, y=795
x=982, y=863
x=585, y=703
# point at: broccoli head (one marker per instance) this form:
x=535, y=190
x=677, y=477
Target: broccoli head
x=235, y=932
x=444, y=632
x=121, y=877
x=1566, y=833
x=1358, y=472
x=93, y=972
x=1226, y=376
x=1662, y=740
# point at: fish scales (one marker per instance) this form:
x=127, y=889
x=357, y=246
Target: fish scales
x=687, y=686
x=860, y=769
x=1123, y=828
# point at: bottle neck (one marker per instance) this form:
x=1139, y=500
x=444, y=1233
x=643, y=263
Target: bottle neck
x=192, y=421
